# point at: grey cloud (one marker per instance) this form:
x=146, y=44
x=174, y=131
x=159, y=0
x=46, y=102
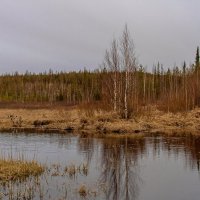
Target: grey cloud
x=67, y=35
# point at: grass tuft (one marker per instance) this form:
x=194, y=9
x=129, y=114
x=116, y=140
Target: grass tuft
x=12, y=170
x=83, y=191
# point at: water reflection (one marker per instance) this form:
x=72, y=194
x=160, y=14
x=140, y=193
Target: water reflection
x=117, y=168
x=87, y=147
x=120, y=172
x=120, y=160
x=187, y=147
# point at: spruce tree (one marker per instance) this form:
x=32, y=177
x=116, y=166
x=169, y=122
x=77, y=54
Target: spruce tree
x=197, y=59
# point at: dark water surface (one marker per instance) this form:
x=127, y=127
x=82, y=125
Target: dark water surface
x=151, y=168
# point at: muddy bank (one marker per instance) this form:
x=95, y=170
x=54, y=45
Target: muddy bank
x=76, y=120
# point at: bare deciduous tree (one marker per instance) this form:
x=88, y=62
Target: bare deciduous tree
x=120, y=63
x=112, y=62
x=128, y=66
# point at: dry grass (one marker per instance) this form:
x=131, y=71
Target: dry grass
x=50, y=118
x=12, y=170
x=83, y=191
x=102, y=121
x=72, y=169
x=129, y=136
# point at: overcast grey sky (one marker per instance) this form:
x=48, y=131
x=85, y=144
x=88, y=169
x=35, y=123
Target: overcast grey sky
x=36, y=35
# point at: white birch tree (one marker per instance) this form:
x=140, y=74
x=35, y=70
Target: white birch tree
x=112, y=62
x=128, y=64
x=120, y=62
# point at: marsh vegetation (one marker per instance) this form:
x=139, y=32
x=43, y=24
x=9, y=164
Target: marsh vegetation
x=18, y=169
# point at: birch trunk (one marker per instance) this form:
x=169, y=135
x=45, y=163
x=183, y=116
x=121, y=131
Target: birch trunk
x=115, y=92
x=125, y=96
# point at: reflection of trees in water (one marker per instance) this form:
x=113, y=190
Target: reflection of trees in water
x=86, y=146
x=119, y=159
x=188, y=147
x=120, y=167
x=62, y=140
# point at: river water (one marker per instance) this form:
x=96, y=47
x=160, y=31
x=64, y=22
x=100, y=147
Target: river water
x=149, y=168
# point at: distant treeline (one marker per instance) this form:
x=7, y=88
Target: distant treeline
x=176, y=89
x=72, y=88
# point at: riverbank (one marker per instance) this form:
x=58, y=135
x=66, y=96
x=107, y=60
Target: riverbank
x=76, y=120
